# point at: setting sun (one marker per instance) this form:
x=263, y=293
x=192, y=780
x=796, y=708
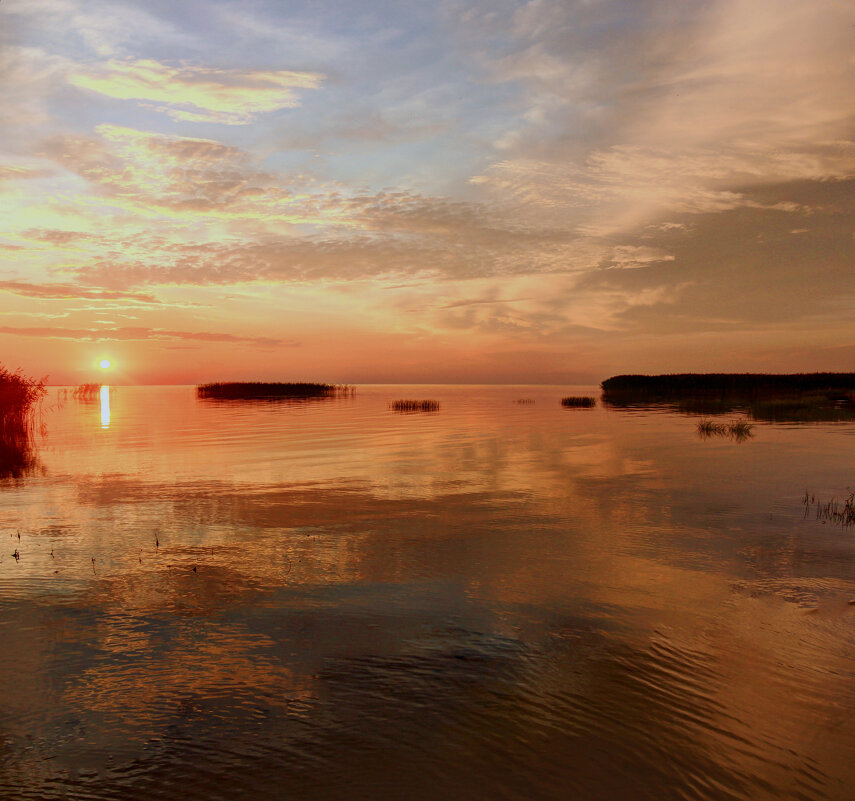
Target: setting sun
x=105, y=364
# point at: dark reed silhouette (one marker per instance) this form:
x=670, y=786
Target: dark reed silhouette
x=409, y=406
x=19, y=399
x=798, y=397
x=87, y=392
x=578, y=402
x=259, y=390
x=833, y=511
x=729, y=384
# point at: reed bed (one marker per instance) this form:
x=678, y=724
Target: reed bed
x=410, y=406
x=87, y=391
x=841, y=513
x=19, y=400
x=736, y=429
x=19, y=397
x=578, y=402
x=259, y=390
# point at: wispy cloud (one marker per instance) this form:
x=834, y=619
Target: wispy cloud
x=197, y=94
x=136, y=333
x=633, y=257
x=70, y=291
x=99, y=26
x=11, y=172
x=678, y=114
x=275, y=228
x=176, y=174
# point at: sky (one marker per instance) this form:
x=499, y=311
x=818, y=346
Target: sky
x=462, y=191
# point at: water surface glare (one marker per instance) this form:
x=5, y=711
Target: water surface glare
x=496, y=600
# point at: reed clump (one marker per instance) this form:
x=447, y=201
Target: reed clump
x=87, y=391
x=260, y=390
x=740, y=429
x=840, y=512
x=709, y=428
x=736, y=429
x=409, y=406
x=578, y=402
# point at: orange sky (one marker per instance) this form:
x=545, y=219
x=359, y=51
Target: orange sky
x=461, y=192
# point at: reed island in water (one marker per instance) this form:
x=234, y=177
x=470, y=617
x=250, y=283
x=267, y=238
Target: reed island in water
x=763, y=396
x=251, y=390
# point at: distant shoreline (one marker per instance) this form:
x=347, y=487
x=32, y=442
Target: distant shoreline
x=785, y=397
x=729, y=384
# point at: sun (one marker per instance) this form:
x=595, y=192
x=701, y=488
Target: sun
x=105, y=364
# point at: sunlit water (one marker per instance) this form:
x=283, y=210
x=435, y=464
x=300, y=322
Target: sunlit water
x=328, y=600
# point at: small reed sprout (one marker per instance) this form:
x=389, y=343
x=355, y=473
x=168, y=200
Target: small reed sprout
x=525, y=401
x=739, y=429
x=409, y=406
x=709, y=428
x=578, y=402
x=736, y=429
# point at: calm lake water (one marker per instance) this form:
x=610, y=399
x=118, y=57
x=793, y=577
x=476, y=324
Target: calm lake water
x=329, y=600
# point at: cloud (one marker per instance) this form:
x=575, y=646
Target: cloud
x=135, y=333
x=54, y=236
x=173, y=174
x=102, y=27
x=742, y=268
x=622, y=188
x=277, y=228
x=197, y=94
x=10, y=172
x=632, y=113
x=361, y=127
x=68, y=291
x=29, y=76
x=631, y=257
x=347, y=258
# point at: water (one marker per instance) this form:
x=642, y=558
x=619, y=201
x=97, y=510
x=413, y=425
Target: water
x=329, y=600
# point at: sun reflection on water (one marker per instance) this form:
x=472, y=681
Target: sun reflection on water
x=105, y=406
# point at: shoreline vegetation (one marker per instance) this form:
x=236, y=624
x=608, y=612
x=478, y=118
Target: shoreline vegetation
x=260, y=390
x=19, y=399
x=771, y=397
